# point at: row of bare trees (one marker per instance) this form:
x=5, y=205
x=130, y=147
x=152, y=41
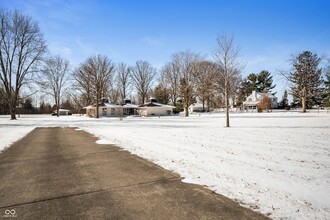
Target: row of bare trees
x=188, y=75
x=98, y=77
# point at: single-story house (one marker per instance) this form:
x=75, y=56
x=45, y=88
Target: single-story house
x=153, y=108
x=113, y=110
x=197, y=107
x=129, y=108
x=62, y=112
x=252, y=101
x=105, y=109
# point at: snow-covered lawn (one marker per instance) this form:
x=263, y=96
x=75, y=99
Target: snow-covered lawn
x=275, y=163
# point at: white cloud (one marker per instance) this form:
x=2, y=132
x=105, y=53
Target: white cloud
x=154, y=41
x=60, y=49
x=85, y=48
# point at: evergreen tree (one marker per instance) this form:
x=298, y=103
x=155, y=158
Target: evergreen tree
x=262, y=82
x=161, y=94
x=305, y=78
x=247, y=86
x=42, y=107
x=326, y=89
x=265, y=82
x=67, y=104
x=27, y=105
x=284, y=102
x=244, y=91
x=253, y=83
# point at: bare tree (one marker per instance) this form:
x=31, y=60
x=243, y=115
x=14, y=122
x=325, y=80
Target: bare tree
x=123, y=81
x=22, y=46
x=83, y=87
x=170, y=77
x=94, y=78
x=143, y=76
x=229, y=70
x=205, y=82
x=186, y=63
x=53, y=79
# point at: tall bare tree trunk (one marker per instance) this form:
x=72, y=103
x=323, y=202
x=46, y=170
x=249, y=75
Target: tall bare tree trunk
x=227, y=105
x=58, y=108
x=143, y=99
x=57, y=111
x=12, y=111
x=12, y=106
x=203, y=107
x=186, y=109
x=303, y=99
x=97, y=107
x=57, y=103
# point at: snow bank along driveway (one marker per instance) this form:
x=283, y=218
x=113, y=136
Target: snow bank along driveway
x=274, y=163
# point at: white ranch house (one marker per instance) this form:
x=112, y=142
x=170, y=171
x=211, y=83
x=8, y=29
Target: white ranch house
x=152, y=108
x=197, y=107
x=105, y=109
x=62, y=112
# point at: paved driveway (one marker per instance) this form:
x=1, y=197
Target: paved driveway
x=60, y=173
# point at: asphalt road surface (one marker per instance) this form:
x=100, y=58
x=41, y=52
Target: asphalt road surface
x=60, y=173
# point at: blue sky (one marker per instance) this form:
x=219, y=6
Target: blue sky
x=268, y=32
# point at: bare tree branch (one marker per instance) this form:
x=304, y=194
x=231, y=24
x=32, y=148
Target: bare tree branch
x=21, y=48
x=123, y=80
x=226, y=56
x=54, y=78
x=94, y=78
x=143, y=76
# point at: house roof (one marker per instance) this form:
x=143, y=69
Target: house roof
x=129, y=105
x=104, y=104
x=269, y=95
x=111, y=105
x=155, y=104
x=197, y=105
x=64, y=110
x=251, y=103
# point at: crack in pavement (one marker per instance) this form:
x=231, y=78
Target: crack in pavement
x=94, y=191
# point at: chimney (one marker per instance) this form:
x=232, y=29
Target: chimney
x=153, y=99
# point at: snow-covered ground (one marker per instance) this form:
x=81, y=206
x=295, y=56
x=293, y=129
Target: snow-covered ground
x=275, y=163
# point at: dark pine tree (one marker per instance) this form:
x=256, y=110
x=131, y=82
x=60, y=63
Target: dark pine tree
x=253, y=82
x=326, y=89
x=284, y=102
x=306, y=79
x=244, y=91
x=161, y=94
x=262, y=82
x=265, y=82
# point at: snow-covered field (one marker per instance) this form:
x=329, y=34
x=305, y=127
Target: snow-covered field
x=275, y=163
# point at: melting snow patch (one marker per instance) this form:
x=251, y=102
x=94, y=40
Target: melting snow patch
x=103, y=141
